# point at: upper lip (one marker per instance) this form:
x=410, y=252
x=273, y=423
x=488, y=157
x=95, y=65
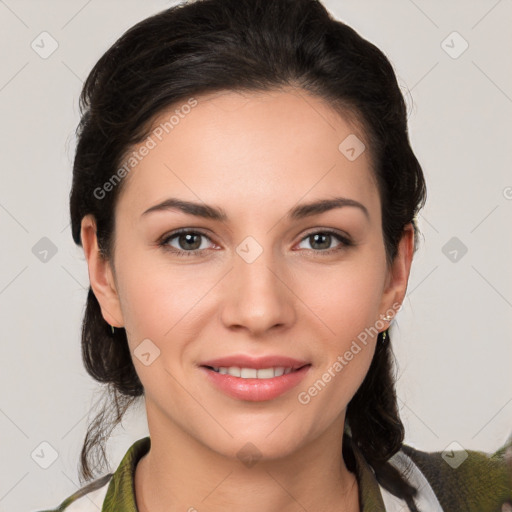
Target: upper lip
x=246, y=361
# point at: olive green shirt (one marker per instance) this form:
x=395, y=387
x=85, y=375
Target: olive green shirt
x=465, y=481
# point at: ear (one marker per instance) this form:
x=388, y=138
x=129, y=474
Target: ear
x=101, y=275
x=398, y=275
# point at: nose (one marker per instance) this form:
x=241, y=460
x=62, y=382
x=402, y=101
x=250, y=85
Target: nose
x=258, y=296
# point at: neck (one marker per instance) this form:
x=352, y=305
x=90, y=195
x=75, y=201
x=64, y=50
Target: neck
x=181, y=474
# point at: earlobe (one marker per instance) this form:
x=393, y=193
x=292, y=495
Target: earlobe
x=100, y=274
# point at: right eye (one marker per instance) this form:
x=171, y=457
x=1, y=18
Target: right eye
x=189, y=242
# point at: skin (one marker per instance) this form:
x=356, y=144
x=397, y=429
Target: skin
x=255, y=155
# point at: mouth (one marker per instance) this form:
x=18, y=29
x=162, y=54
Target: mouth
x=254, y=384
x=254, y=373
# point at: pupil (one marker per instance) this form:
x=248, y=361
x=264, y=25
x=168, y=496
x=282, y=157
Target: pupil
x=187, y=238
x=325, y=237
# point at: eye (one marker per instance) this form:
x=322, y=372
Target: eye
x=323, y=239
x=189, y=242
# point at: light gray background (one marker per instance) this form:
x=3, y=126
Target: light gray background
x=452, y=339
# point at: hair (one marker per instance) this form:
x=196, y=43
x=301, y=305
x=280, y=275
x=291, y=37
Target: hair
x=207, y=46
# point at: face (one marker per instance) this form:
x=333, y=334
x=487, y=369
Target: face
x=268, y=278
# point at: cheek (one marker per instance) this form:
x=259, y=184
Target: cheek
x=156, y=304
x=165, y=304
x=155, y=296
x=345, y=297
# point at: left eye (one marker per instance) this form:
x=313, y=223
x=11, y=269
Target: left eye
x=324, y=239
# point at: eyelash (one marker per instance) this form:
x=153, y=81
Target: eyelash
x=345, y=242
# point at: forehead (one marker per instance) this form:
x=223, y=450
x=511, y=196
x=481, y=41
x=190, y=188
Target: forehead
x=249, y=150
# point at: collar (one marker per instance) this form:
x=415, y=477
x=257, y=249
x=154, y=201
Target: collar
x=120, y=496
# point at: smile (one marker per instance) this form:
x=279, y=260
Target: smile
x=253, y=384
x=252, y=373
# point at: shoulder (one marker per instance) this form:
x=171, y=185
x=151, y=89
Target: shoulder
x=111, y=490
x=89, y=498
x=469, y=480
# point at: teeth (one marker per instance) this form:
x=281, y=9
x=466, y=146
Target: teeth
x=253, y=373
x=233, y=370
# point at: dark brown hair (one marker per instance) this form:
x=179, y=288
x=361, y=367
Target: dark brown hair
x=205, y=46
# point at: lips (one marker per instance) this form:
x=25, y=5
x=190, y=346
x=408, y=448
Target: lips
x=255, y=390
x=246, y=361
x=233, y=375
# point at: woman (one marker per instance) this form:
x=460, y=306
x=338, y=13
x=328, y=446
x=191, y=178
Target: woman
x=245, y=194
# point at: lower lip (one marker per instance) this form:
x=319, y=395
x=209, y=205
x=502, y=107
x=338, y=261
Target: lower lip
x=255, y=390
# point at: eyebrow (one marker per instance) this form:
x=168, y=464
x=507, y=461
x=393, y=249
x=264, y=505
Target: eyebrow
x=299, y=212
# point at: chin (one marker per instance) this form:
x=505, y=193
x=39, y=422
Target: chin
x=256, y=446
